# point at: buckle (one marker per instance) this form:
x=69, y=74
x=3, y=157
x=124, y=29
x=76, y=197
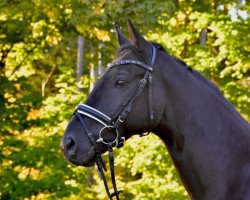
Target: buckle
x=116, y=193
x=120, y=119
x=144, y=134
x=99, y=140
x=120, y=142
x=143, y=81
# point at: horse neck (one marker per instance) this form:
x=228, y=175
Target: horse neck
x=199, y=128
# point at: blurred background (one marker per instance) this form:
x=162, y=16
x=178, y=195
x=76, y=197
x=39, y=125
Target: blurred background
x=52, y=52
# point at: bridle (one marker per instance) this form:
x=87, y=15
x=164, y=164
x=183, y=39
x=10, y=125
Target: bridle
x=112, y=124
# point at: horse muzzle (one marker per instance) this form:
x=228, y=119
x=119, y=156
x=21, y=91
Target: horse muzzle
x=75, y=155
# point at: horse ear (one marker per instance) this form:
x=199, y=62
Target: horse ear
x=137, y=39
x=120, y=37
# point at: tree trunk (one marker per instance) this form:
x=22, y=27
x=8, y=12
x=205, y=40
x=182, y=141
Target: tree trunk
x=203, y=37
x=79, y=67
x=96, y=72
x=92, y=73
x=101, y=68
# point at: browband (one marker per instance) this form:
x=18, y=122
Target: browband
x=125, y=62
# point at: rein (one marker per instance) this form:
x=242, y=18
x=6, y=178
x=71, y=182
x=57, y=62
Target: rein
x=112, y=124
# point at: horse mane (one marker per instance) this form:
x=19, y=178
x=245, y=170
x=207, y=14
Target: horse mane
x=192, y=71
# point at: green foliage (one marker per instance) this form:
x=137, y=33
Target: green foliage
x=38, y=91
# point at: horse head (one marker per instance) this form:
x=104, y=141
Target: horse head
x=122, y=103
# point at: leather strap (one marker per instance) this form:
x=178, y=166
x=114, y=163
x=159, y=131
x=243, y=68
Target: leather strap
x=112, y=171
x=150, y=88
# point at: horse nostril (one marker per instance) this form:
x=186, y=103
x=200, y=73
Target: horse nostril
x=70, y=143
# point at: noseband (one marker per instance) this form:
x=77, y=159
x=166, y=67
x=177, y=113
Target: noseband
x=112, y=124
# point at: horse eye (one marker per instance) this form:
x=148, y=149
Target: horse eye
x=121, y=83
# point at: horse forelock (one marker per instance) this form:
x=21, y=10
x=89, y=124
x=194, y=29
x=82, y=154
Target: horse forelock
x=123, y=48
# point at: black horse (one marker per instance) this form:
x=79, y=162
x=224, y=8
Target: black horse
x=146, y=89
